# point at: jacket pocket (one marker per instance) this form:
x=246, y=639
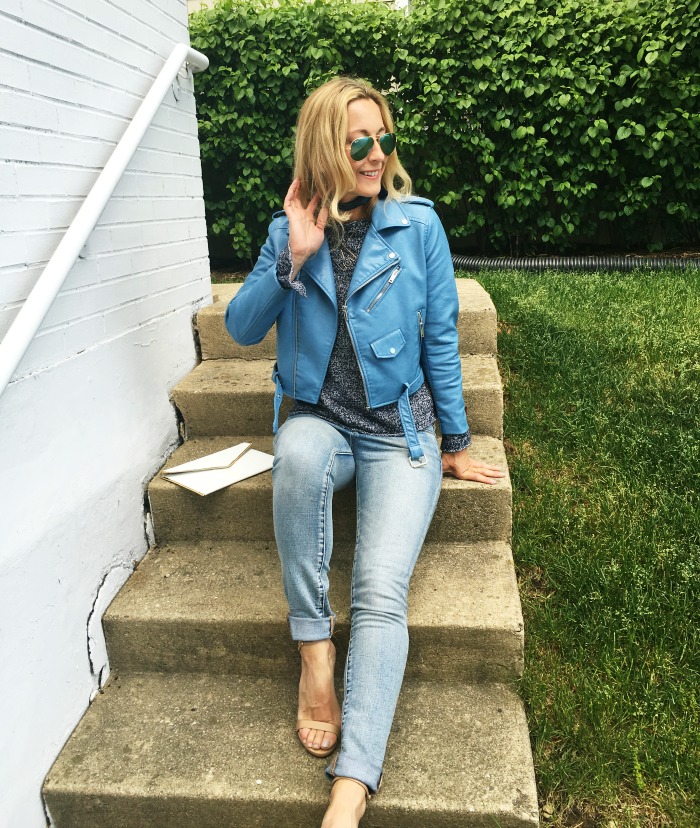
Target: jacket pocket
x=389, y=345
x=385, y=287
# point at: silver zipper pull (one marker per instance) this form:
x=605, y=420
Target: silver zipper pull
x=420, y=325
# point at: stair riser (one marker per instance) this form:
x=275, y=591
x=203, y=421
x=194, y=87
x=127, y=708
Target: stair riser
x=476, y=325
x=477, y=335
x=250, y=412
x=176, y=812
x=444, y=654
x=245, y=513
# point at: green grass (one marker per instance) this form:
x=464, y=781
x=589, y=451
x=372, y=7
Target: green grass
x=601, y=374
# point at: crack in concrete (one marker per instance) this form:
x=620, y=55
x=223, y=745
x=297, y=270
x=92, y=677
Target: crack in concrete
x=98, y=672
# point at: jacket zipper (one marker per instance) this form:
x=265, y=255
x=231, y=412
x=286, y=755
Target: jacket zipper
x=357, y=358
x=386, y=287
x=421, y=328
x=371, y=279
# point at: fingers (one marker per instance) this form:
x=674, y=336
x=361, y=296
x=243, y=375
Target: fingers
x=292, y=193
x=322, y=219
x=312, y=206
x=292, y=203
x=473, y=471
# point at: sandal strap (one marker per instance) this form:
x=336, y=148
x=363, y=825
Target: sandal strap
x=368, y=795
x=326, y=727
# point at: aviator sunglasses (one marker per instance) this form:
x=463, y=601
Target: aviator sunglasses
x=361, y=147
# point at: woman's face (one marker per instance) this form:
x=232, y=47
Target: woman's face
x=365, y=118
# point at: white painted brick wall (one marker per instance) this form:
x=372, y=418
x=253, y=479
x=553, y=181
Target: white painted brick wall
x=74, y=74
x=90, y=399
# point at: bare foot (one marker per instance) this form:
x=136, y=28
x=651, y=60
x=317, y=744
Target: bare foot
x=317, y=699
x=347, y=805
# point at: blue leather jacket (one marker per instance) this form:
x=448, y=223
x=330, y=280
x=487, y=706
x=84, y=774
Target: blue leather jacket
x=401, y=312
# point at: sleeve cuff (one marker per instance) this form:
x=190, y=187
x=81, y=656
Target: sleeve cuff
x=456, y=442
x=284, y=273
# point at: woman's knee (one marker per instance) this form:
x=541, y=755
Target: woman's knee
x=382, y=593
x=305, y=450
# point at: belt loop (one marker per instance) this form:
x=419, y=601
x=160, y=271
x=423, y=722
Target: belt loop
x=415, y=450
x=279, y=394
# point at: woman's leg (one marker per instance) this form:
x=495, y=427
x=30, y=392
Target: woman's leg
x=395, y=504
x=312, y=459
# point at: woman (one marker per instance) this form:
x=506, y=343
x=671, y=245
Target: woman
x=357, y=276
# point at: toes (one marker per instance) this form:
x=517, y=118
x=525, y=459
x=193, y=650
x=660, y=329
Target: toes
x=317, y=739
x=329, y=739
x=326, y=739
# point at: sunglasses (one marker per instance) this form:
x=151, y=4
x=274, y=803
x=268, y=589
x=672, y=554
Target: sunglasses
x=361, y=147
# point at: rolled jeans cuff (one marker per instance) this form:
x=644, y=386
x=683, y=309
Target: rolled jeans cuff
x=311, y=629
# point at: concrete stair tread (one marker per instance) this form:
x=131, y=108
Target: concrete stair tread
x=466, y=511
x=476, y=324
x=183, y=750
x=483, y=448
x=219, y=606
x=222, y=396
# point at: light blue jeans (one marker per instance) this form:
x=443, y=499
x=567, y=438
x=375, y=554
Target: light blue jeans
x=395, y=504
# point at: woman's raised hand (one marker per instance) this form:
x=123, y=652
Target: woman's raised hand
x=460, y=465
x=306, y=225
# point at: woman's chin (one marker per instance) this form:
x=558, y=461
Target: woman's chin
x=365, y=191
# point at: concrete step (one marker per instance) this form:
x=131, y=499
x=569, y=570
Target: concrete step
x=467, y=512
x=218, y=607
x=177, y=751
x=234, y=396
x=476, y=325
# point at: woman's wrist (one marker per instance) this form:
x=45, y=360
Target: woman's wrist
x=298, y=261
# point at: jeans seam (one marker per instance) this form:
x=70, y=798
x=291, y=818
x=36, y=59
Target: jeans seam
x=322, y=597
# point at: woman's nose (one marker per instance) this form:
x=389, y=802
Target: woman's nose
x=376, y=154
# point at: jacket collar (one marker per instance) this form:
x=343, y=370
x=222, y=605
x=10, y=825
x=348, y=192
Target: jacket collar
x=376, y=256
x=388, y=214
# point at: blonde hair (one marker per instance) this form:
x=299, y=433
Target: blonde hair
x=320, y=160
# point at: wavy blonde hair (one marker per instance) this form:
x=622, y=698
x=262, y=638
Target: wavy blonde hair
x=320, y=160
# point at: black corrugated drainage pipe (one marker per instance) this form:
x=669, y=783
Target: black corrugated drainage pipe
x=475, y=263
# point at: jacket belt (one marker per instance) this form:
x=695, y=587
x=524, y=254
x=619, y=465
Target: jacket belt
x=415, y=450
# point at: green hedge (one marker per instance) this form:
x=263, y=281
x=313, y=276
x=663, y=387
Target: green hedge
x=534, y=125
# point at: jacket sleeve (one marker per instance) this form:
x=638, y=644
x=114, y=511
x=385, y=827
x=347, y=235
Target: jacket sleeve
x=440, y=353
x=253, y=310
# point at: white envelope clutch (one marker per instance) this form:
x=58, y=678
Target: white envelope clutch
x=216, y=471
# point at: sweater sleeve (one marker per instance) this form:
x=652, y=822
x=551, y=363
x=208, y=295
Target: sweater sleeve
x=284, y=273
x=452, y=443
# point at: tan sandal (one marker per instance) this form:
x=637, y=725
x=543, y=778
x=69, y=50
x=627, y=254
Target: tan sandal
x=326, y=727
x=368, y=795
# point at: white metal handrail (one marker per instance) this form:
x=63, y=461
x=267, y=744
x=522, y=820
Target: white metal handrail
x=27, y=322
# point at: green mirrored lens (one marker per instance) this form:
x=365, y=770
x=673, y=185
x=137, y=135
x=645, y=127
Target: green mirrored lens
x=388, y=143
x=360, y=148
